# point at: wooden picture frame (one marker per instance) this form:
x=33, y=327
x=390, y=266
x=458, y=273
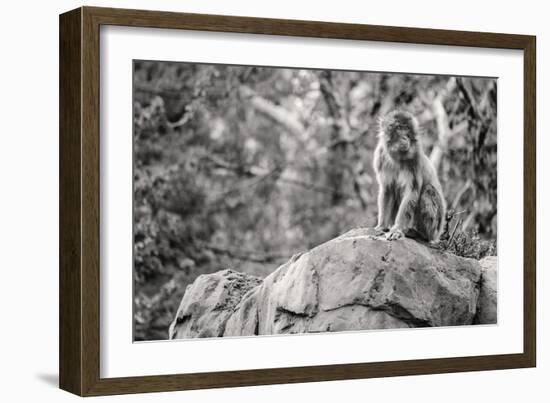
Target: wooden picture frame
x=79, y=347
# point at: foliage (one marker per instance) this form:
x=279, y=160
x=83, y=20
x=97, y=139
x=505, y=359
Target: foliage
x=241, y=167
x=465, y=243
x=470, y=244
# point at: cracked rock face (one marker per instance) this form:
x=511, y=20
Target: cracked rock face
x=353, y=282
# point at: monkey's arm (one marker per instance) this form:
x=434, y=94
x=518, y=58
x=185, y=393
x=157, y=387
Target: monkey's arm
x=405, y=214
x=385, y=207
x=386, y=198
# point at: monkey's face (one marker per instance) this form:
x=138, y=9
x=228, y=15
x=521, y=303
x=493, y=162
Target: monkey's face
x=399, y=131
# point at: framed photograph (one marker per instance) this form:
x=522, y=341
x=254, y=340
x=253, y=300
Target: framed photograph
x=249, y=201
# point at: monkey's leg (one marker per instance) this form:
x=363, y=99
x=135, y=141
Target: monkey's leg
x=386, y=202
x=430, y=213
x=405, y=215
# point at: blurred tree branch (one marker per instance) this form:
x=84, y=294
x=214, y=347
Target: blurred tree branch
x=164, y=93
x=340, y=138
x=476, y=111
x=249, y=256
x=275, y=112
x=470, y=99
x=444, y=132
x=228, y=168
x=467, y=185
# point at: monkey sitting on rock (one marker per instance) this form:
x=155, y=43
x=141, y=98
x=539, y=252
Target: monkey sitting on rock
x=410, y=199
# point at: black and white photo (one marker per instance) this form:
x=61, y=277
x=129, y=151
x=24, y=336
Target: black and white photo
x=271, y=200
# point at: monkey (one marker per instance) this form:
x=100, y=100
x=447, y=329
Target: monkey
x=410, y=197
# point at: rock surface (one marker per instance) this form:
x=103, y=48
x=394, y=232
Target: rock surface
x=209, y=302
x=353, y=282
x=487, y=303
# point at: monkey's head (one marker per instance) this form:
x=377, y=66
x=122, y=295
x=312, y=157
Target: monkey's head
x=399, y=132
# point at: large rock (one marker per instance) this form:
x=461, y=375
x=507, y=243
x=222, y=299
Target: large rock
x=209, y=302
x=354, y=282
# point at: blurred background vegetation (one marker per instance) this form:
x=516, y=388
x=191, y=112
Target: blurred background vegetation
x=241, y=167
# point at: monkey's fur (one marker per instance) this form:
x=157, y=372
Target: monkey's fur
x=410, y=200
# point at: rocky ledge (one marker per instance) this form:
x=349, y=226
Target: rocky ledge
x=354, y=282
